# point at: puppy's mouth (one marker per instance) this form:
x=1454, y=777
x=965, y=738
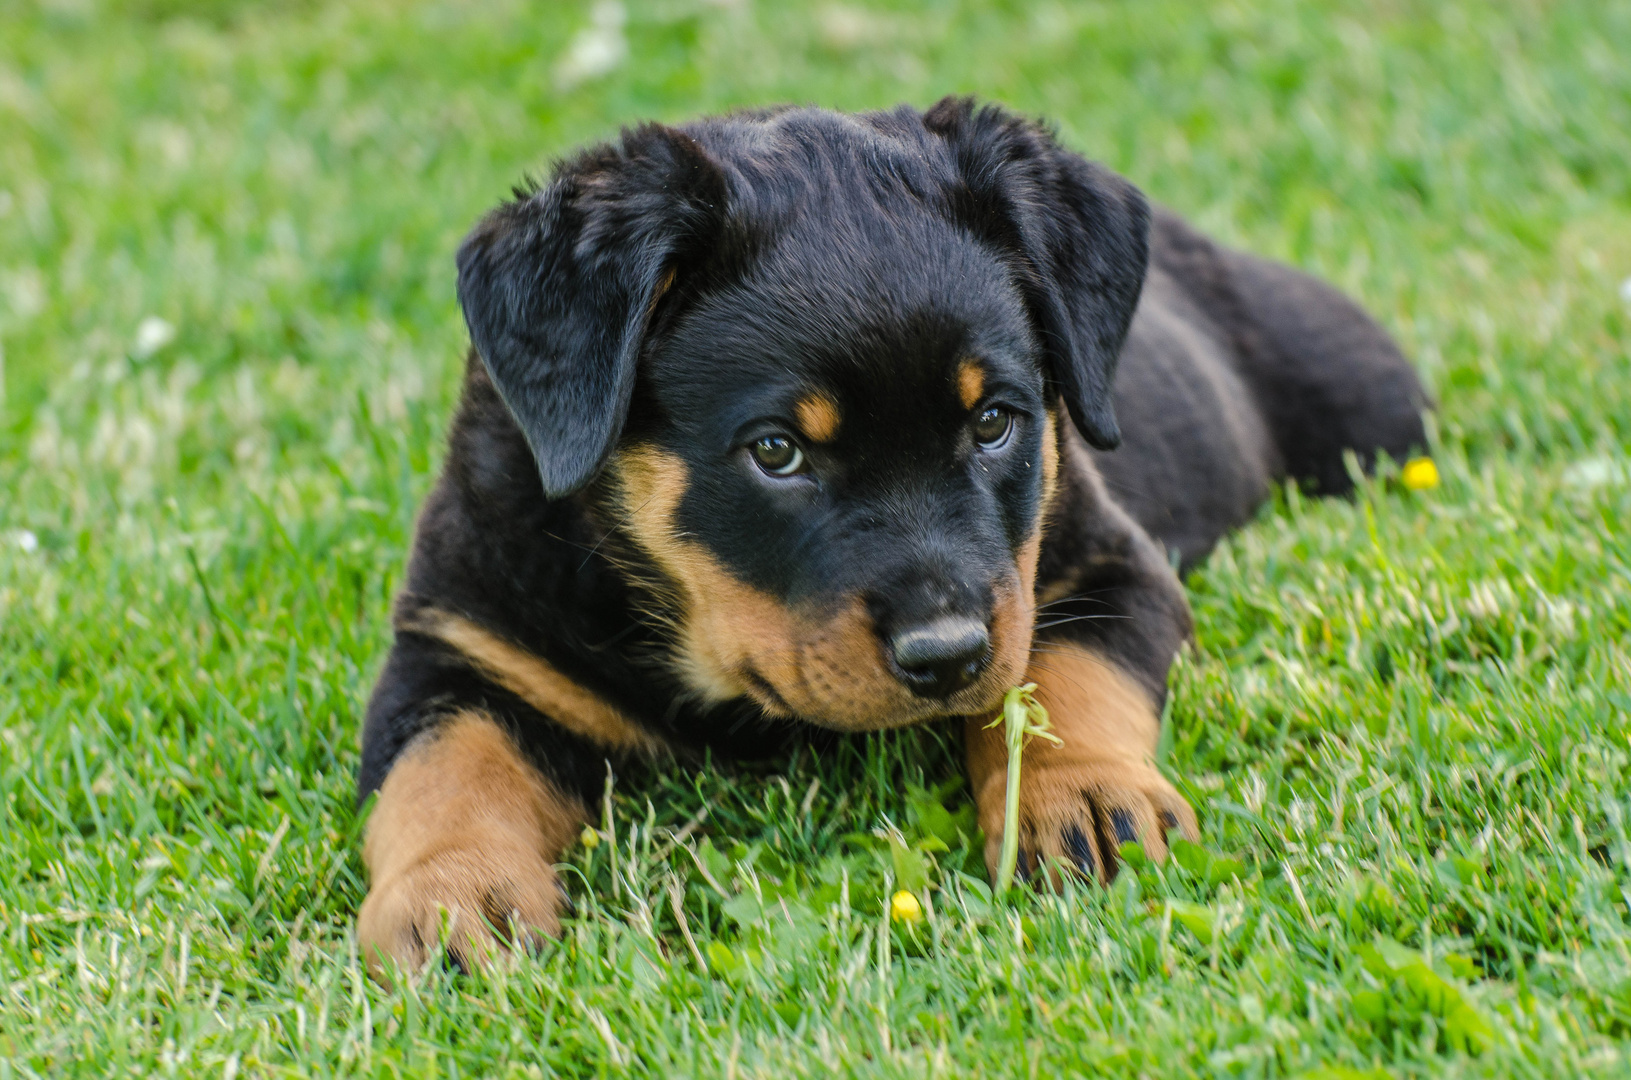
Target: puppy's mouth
x=761, y=690
x=893, y=708
x=832, y=669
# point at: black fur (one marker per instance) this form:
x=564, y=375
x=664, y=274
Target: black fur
x=860, y=256
x=557, y=286
x=1074, y=234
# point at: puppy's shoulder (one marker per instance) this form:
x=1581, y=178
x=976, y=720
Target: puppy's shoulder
x=488, y=542
x=1086, y=527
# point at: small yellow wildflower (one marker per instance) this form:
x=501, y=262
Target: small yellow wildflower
x=905, y=908
x=1419, y=474
x=589, y=838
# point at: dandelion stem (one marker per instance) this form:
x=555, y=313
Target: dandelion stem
x=1024, y=716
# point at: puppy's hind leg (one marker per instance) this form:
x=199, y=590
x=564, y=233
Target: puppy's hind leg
x=1326, y=376
x=1329, y=379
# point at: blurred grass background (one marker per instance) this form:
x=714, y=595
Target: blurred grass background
x=228, y=349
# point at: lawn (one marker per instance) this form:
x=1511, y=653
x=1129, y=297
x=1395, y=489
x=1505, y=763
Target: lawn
x=230, y=347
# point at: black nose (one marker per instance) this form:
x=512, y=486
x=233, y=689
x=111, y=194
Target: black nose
x=939, y=658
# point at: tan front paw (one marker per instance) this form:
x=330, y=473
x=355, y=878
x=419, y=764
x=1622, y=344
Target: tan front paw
x=459, y=847
x=1094, y=790
x=1074, y=819
x=465, y=903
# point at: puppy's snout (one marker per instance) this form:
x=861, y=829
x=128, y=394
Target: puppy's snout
x=939, y=658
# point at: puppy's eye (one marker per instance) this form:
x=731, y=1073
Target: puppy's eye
x=992, y=426
x=778, y=455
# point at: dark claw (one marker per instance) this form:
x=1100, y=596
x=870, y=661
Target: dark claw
x=497, y=908
x=1122, y=822
x=1082, y=851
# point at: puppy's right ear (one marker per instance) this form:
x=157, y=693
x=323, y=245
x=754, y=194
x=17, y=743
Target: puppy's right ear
x=558, y=287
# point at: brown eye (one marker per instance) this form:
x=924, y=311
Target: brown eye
x=778, y=455
x=992, y=426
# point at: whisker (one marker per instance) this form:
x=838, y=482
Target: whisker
x=1055, y=673
x=624, y=520
x=1087, y=596
x=1065, y=620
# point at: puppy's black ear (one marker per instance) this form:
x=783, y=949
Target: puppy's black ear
x=558, y=287
x=1076, y=233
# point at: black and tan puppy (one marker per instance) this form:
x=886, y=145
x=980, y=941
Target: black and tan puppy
x=799, y=418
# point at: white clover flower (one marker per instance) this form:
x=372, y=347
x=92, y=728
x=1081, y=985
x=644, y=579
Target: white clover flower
x=152, y=334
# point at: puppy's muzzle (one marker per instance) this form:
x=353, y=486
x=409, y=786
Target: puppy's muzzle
x=939, y=658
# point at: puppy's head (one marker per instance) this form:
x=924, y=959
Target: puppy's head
x=814, y=362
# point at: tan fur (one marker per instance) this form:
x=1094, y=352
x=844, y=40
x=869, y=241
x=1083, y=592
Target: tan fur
x=1103, y=770
x=970, y=383
x=818, y=417
x=1050, y=461
x=664, y=283
x=460, y=842
x=1012, y=618
x=1073, y=459
x=536, y=682
x=826, y=666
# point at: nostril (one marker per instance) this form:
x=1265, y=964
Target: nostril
x=941, y=657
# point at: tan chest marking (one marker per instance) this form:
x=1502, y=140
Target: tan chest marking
x=535, y=681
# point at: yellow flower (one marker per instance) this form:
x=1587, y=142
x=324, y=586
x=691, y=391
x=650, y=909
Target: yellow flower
x=589, y=838
x=1420, y=474
x=904, y=908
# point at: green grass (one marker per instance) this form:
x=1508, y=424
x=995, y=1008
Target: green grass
x=1404, y=725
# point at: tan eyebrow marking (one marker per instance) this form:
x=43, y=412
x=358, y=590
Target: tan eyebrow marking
x=970, y=382
x=817, y=416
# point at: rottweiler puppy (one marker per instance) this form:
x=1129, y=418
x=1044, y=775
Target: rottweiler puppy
x=794, y=420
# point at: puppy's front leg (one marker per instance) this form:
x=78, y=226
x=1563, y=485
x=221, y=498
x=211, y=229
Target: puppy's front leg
x=1079, y=801
x=461, y=842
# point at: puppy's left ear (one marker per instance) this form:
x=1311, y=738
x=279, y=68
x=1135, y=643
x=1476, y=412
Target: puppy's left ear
x=1076, y=234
